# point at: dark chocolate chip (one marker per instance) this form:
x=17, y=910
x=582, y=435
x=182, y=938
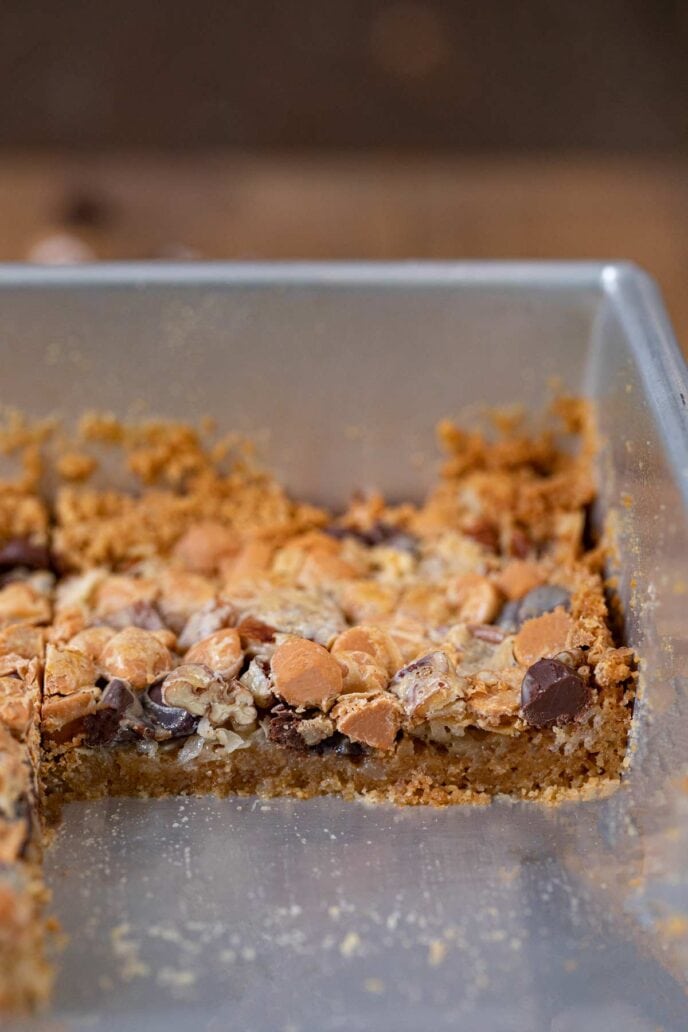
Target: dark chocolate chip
x=508, y=619
x=380, y=533
x=552, y=693
x=543, y=600
x=179, y=722
x=139, y=614
x=343, y=746
x=103, y=726
x=281, y=728
x=21, y=551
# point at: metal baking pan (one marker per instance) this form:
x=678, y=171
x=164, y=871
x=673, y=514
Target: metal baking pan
x=322, y=915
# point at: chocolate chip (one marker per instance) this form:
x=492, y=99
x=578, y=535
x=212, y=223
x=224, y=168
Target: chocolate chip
x=380, y=533
x=21, y=551
x=552, y=693
x=508, y=618
x=103, y=726
x=281, y=728
x=343, y=746
x=543, y=600
x=177, y=721
x=139, y=614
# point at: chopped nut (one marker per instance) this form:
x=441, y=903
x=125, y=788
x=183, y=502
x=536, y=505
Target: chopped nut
x=139, y=614
x=79, y=590
x=373, y=721
x=410, y=636
x=91, y=641
x=518, y=578
x=205, y=545
x=226, y=741
x=315, y=730
x=221, y=652
x=429, y=686
x=305, y=674
x=198, y=690
x=211, y=617
x=308, y=614
x=477, y=599
x=135, y=656
x=67, y=671
x=16, y=707
x=257, y=681
x=361, y=672
x=544, y=636
x=256, y=637
x=371, y=639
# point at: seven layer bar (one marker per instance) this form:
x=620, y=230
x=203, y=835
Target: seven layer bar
x=25, y=589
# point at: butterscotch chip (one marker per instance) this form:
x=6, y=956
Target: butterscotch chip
x=204, y=546
x=91, y=641
x=320, y=568
x=546, y=635
x=22, y=640
x=305, y=674
x=518, y=577
x=425, y=602
x=373, y=721
x=21, y=601
x=364, y=600
x=66, y=671
x=221, y=652
x=181, y=595
x=374, y=641
x=136, y=656
x=119, y=591
x=476, y=598
x=252, y=561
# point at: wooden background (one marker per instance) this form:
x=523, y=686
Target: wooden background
x=220, y=205
x=347, y=129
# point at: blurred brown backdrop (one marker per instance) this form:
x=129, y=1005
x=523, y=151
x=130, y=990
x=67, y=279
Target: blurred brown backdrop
x=344, y=128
